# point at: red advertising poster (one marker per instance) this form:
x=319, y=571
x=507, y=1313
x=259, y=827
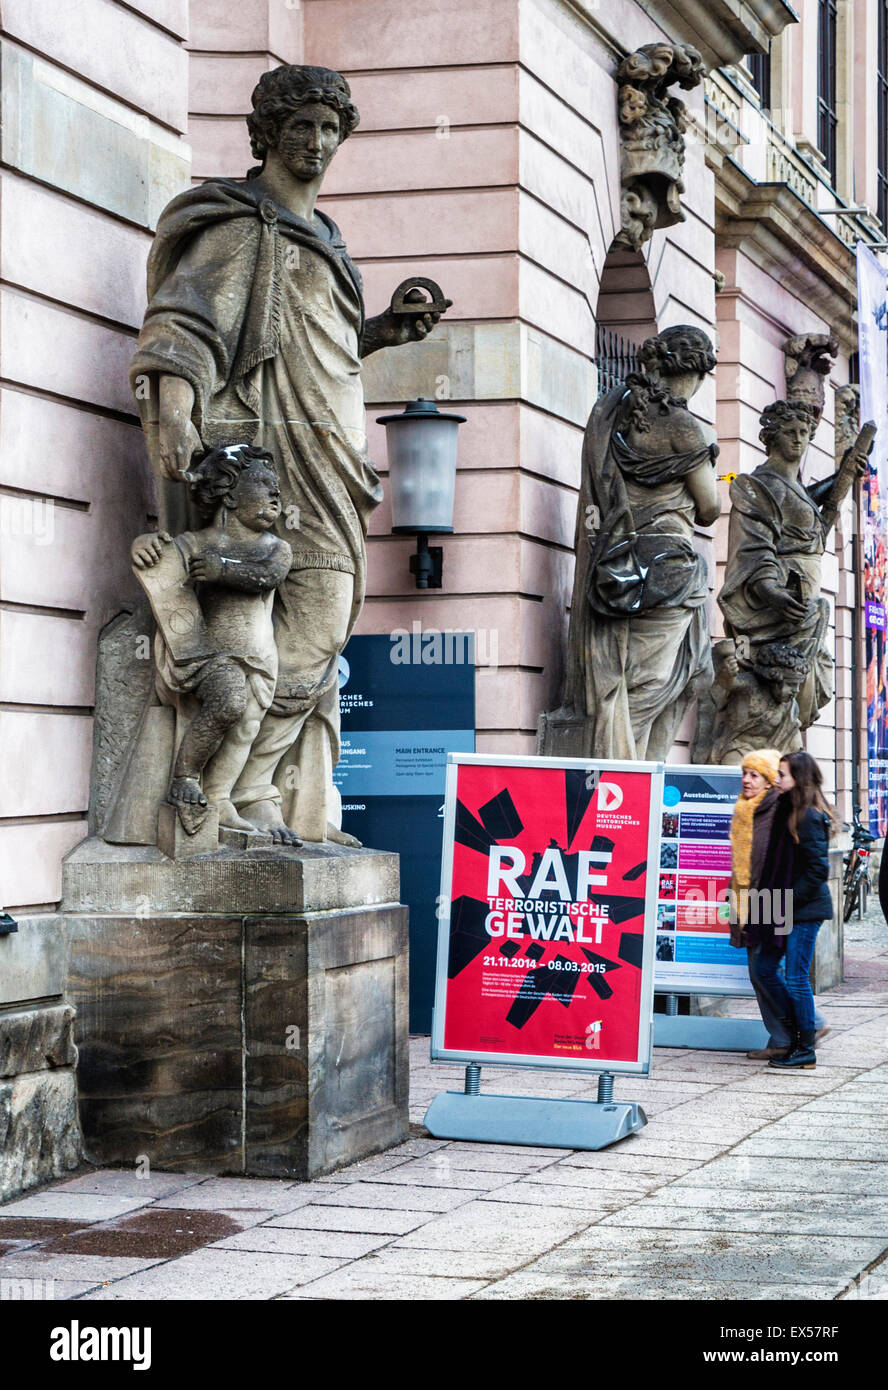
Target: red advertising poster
x=543, y=956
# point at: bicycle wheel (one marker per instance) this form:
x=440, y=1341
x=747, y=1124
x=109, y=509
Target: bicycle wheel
x=851, y=896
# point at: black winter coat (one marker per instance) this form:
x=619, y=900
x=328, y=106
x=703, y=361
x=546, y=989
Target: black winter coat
x=811, y=900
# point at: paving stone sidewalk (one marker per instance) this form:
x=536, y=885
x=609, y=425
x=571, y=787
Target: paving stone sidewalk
x=747, y=1183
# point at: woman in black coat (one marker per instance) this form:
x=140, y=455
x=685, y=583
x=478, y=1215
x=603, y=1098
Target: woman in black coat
x=796, y=871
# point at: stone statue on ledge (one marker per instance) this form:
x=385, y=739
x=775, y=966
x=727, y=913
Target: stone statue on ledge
x=638, y=647
x=775, y=671
x=242, y=997
x=254, y=334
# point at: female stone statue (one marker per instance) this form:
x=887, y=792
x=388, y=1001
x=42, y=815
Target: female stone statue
x=254, y=334
x=772, y=589
x=639, y=649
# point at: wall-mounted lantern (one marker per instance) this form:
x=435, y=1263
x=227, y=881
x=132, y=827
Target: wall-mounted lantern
x=421, y=446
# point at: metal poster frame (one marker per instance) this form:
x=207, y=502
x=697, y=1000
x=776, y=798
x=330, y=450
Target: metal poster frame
x=663, y=987
x=596, y=1064
x=700, y=1030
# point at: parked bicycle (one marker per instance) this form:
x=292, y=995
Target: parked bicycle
x=856, y=883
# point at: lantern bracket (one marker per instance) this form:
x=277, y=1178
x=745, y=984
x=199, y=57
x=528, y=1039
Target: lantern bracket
x=427, y=564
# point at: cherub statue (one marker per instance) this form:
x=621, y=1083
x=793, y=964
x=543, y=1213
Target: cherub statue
x=211, y=592
x=752, y=702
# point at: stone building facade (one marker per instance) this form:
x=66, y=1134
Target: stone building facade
x=487, y=158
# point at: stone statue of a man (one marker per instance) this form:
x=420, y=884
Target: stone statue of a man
x=254, y=334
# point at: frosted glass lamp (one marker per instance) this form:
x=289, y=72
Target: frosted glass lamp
x=421, y=446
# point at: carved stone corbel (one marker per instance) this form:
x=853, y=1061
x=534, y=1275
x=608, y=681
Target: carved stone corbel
x=847, y=419
x=652, y=130
x=808, y=362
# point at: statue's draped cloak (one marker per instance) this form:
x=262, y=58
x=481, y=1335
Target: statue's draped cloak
x=262, y=312
x=638, y=646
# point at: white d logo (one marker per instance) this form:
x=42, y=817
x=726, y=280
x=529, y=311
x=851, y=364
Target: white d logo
x=610, y=796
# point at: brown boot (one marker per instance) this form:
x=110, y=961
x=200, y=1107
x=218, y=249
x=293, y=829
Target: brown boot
x=766, y=1054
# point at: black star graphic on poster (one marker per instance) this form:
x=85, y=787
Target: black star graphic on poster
x=631, y=945
x=635, y=872
x=578, y=794
x=469, y=831
x=619, y=910
x=597, y=983
x=500, y=818
x=552, y=979
x=468, y=935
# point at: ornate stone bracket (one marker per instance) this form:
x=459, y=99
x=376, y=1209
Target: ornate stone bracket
x=847, y=419
x=808, y=362
x=652, y=129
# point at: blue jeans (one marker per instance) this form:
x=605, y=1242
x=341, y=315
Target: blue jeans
x=775, y=1011
x=793, y=992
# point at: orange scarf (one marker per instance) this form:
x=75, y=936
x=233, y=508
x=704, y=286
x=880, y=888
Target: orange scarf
x=741, y=848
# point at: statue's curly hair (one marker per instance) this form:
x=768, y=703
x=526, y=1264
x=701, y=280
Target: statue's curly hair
x=283, y=90
x=213, y=480
x=677, y=350
x=781, y=413
x=778, y=661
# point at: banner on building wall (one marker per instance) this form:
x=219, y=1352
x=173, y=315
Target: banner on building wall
x=872, y=313
x=548, y=913
x=694, y=953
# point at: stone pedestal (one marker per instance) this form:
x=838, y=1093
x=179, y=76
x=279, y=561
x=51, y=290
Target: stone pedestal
x=828, y=969
x=39, y=1136
x=238, y=1012
x=563, y=733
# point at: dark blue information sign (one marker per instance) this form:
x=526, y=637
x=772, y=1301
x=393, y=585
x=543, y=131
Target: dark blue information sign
x=405, y=706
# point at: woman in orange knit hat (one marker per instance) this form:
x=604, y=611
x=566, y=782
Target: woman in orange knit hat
x=750, y=833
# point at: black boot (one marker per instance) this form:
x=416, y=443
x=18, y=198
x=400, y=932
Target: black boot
x=802, y=1053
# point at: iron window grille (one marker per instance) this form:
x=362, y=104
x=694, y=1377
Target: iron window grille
x=615, y=358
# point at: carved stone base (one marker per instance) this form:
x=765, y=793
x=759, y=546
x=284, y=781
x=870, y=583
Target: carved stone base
x=225, y=1039
x=564, y=734
x=39, y=1137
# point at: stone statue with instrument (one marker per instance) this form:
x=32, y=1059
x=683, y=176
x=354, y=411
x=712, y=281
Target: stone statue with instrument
x=774, y=672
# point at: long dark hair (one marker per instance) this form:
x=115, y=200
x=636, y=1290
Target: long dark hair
x=807, y=791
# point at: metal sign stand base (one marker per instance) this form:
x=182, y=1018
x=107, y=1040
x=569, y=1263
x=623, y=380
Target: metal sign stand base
x=557, y=1124
x=712, y=1034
